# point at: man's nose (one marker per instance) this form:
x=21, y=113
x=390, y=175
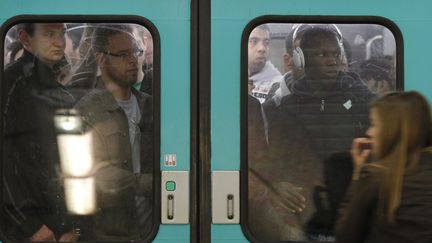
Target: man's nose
x=262, y=46
x=59, y=40
x=333, y=60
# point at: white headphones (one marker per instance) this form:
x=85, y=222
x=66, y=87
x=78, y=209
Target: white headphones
x=297, y=53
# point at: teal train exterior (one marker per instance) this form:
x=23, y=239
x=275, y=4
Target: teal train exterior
x=200, y=72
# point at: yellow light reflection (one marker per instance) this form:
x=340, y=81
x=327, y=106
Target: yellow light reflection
x=80, y=195
x=76, y=154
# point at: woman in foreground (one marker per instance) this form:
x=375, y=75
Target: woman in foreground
x=390, y=200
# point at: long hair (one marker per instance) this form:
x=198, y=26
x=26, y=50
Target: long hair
x=404, y=133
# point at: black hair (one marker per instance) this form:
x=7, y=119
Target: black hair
x=289, y=42
x=27, y=27
x=103, y=32
x=314, y=35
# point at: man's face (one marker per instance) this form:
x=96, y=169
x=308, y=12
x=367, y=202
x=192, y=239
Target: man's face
x=48, y=42
x=323, y=59
x=148, y=42
x=257, y=50
x=121, y=59
x=140, y=42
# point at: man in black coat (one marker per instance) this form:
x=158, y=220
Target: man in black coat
x=317, y=121
x=33, y=197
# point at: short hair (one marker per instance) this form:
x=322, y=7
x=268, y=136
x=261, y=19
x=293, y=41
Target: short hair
x=27, y=27
x=314, y=35
x=263, y=27
x=104, y=32
x=289, y=42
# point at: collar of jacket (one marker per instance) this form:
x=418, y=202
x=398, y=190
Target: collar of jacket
x=345, y=81
x=45, y=75
x=109, y=103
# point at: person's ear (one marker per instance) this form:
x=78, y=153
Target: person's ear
x=287, y=62
x=24, y=38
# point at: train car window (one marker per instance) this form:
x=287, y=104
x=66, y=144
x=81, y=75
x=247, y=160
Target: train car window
x=309, y=86
x=79, y=135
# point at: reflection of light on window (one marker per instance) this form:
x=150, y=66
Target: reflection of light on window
x=80, y=195
x=76, y=162
x=76, y=157
x=68, y=123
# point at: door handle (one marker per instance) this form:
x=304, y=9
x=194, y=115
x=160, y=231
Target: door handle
x=170, y=207
x=225, y=197
x=175, y=197
x=230, y=206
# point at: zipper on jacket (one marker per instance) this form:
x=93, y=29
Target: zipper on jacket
x=322, y=104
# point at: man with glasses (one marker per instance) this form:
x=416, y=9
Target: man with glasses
x=121, y=121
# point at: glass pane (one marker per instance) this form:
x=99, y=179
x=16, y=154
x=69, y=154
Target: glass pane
x=78, y=141
x=309, y=88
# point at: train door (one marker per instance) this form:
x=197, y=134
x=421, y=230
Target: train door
x=86, y=44
x=288, y=169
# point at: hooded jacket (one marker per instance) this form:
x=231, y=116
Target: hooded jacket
x=264, y=81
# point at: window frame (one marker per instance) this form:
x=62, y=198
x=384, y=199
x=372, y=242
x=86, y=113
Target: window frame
x=156, y=84
x=297, y=19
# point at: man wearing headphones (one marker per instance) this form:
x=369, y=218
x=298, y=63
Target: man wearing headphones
x=315, y=124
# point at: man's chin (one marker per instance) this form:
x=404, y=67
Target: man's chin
x=131, y=82
x=256, y=68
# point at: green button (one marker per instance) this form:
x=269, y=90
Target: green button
x=170, y=185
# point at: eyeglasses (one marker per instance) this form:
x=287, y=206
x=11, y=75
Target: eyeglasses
x=124, y=55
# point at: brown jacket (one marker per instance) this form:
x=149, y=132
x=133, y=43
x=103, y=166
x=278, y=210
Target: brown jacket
x=413, y=222
x=117, y=185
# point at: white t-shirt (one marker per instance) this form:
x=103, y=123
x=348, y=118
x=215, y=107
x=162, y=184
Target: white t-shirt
x=133, y=114
x=264, y=80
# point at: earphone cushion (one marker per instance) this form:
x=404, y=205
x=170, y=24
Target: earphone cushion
x=298, y=58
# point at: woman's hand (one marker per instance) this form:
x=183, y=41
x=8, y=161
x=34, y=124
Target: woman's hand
x=360, y=151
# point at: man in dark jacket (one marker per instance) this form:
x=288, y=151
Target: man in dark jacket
x=121, y=121
x=33, y=197
x=317, y=121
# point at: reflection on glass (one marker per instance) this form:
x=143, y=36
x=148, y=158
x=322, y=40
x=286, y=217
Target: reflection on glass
x=309, y=88
x=102, y=71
